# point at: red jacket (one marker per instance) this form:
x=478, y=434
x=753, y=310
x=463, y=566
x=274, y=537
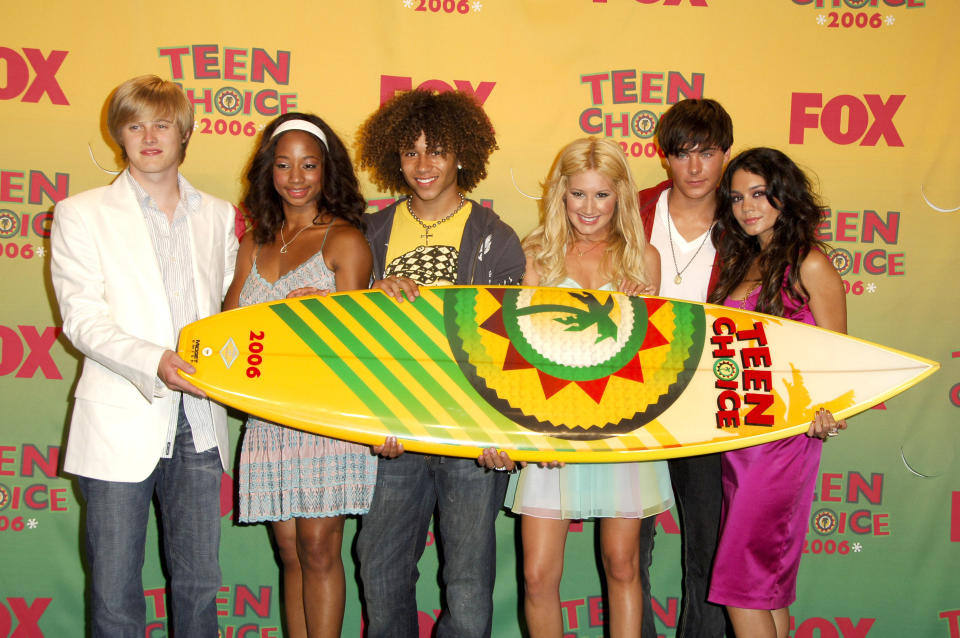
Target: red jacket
x=648, y=199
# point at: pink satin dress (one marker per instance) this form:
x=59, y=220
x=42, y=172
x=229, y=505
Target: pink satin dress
x=767, y=497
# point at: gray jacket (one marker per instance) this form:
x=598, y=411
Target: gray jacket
x=490, y=253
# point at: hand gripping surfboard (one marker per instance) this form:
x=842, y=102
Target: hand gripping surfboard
x=544, y=373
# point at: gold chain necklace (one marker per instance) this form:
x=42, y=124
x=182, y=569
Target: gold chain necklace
x=581, y=253
x=427, y=227
x=679, y=278
x=743, y=302
x=284, y=242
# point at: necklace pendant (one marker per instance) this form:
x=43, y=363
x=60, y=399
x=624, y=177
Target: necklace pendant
x=283, y=250
x=678, y=279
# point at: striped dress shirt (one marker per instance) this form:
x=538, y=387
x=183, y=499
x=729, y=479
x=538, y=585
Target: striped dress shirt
x=171, y=246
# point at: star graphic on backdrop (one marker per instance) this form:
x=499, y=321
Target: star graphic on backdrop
x=32, y=523
x=821, y=19
x=857, y=547
x=477, y=6
x=890, y=20
x=871, y=287
x=39, y=251
x=407, y=4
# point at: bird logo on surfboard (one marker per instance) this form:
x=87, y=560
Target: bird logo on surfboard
x=578, y=319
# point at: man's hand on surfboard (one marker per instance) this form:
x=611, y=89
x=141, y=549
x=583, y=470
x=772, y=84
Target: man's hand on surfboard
x=551, y=464
x=391, y=448
x=498, y=461
x=396, y=287
x=824, y=425
x=170, y=362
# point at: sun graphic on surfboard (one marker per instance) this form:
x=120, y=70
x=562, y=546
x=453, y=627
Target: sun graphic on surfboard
x=571, y=363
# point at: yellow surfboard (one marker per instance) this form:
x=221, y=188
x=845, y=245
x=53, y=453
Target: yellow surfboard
x=546, y=373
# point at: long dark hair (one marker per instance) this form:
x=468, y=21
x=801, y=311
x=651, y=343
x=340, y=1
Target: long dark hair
x=789, y=191
x=339, y=197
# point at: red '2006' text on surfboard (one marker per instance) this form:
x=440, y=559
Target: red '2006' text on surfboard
x=756, y=379
x=254, y=359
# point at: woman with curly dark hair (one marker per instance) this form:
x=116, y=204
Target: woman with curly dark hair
x=307, y=236
x=772, y=262
x=433, y=148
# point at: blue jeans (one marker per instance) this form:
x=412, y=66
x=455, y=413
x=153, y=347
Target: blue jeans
x=699, y=496
x=187, y=487
x=394, y=532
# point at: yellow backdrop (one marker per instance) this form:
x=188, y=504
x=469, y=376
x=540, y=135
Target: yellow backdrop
x=861, y=92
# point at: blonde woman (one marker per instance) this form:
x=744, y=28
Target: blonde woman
x=590, y=236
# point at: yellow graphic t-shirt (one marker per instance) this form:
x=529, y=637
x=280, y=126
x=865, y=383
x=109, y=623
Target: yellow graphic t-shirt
x=428, y=256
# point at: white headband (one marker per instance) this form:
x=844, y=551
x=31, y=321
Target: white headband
x=301, y=125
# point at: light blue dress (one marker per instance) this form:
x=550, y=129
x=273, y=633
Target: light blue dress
x=591, y=490
x=285, y=472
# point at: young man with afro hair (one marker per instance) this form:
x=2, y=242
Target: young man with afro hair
x=433, y=148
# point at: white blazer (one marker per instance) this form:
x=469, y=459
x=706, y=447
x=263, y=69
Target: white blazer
x=115, y=311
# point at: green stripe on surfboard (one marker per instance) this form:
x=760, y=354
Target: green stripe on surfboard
x=328, y=356
x=370, y=361
x=444, y=360
x=440, y=358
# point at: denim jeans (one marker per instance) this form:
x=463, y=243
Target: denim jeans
x=394, y=532
x=699, y=496
x=187, y=487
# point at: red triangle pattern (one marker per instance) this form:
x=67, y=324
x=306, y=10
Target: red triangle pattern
x=654, y=305
x=632, y=371
x=551, y=385
x=513, y=360
x=654, y=338
x=494, y=323
x=497, y=293
x=594, y=388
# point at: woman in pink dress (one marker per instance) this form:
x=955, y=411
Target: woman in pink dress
x=771, y=262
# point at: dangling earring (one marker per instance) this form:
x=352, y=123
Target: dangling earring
x=459, y=166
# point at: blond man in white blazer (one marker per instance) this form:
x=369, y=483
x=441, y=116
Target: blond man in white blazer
x=132, y=263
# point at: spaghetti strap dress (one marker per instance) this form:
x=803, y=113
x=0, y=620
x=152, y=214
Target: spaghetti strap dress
x=591, y=490
x=284, y=472
x=767, y=498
